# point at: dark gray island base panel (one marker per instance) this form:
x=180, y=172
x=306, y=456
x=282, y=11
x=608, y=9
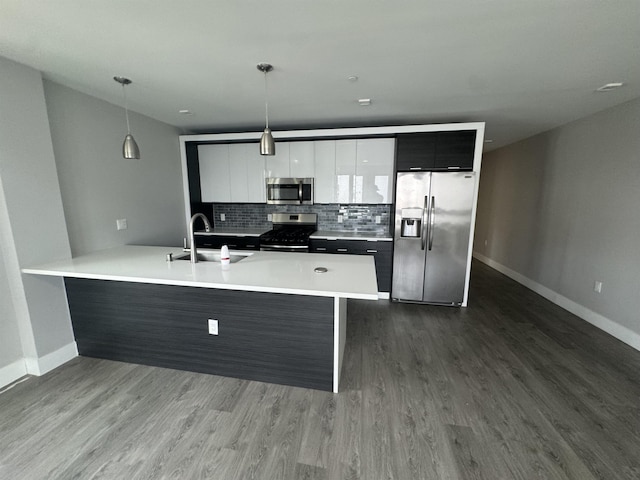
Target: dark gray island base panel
x=269, y=337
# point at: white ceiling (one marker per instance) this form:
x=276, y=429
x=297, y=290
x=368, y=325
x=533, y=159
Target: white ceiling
x=523, y=66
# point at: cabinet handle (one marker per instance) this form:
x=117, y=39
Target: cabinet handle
x=321, y=249
x=232, y=246
x=343, y=250
x=372, y=251
x=415, y=168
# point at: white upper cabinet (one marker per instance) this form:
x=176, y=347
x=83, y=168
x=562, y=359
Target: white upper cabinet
x=278, y=165
x=214, y=173
x=301, y=159
x=247, y=173
x=345, y=171
x=374, y=170
x=232, y=173
x=324, y=171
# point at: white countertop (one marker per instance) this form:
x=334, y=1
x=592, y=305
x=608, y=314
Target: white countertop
x=352, y=235
x=348, y=276
x=236, y=232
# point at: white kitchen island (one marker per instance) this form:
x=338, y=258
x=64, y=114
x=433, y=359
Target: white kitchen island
x=269, y=307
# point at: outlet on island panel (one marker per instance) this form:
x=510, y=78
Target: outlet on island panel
x=213, y=326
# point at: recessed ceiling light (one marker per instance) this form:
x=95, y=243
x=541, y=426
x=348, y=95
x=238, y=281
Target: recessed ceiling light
x=364, y=102
x=352, y=78
x=609, y=86
x=185, y=112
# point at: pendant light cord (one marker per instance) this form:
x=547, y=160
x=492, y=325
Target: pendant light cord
x=266, y=100
x=126, y=109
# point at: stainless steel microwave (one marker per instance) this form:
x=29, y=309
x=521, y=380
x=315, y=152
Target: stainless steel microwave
x=290, y=191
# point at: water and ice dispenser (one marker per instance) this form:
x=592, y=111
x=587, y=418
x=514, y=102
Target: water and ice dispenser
x=411, y=222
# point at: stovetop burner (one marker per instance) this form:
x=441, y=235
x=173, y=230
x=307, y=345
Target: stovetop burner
x=290, y=230
x=294, y=235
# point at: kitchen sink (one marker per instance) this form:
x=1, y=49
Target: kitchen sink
x=212, y=256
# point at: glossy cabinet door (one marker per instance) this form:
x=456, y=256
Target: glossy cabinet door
x=214, y=173
x=345, y=171
x=324, y=171
x=247, y=173
x=301, y=159
x=374, y=170
x=278, y=165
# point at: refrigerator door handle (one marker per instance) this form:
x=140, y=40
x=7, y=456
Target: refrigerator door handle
x=432, y=221
x=425, y=222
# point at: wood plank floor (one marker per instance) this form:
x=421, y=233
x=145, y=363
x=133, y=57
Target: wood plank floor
x=512, y=387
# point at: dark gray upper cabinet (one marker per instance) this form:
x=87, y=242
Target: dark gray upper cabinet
x=416, y=151
x=435, y=151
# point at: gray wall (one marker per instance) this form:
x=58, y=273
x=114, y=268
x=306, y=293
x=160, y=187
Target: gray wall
x=563, y=209
x=32, y=224
x=99, y=186
x=10, y=345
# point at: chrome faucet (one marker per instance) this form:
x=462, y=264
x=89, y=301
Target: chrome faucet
x=207, y=228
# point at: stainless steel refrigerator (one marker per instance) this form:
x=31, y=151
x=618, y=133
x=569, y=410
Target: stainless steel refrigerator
x=431, y=238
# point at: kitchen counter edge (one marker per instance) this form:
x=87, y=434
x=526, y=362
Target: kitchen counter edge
x=147, y=264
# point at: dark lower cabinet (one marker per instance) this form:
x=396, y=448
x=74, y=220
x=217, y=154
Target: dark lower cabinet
x=269, y=337
x=234, y=242
x=382, y=252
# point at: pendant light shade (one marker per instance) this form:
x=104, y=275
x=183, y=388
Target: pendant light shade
x=267, y=145
x=130, y=149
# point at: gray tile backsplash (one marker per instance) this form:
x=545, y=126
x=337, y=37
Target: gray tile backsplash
x=360, y=218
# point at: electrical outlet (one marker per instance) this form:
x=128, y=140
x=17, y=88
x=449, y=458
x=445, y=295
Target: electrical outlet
x=597, y=286
x=213, y=327
x=223, y=217
x=485, y=243
x=269, y=217
x=339, y=218
x=121, y=224
x=378, y=218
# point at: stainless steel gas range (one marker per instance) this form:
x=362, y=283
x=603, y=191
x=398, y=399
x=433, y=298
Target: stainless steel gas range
x=290, y=232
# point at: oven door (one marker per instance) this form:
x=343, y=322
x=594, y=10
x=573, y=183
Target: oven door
x=290, y=191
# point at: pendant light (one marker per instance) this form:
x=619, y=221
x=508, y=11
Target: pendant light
x=267, y=145
x=130, y=148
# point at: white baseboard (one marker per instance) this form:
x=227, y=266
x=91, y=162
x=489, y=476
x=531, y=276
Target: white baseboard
x=12, y=372
x=40, y=366
x=620, y=332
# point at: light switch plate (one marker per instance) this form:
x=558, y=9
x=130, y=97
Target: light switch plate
x=213, y=327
